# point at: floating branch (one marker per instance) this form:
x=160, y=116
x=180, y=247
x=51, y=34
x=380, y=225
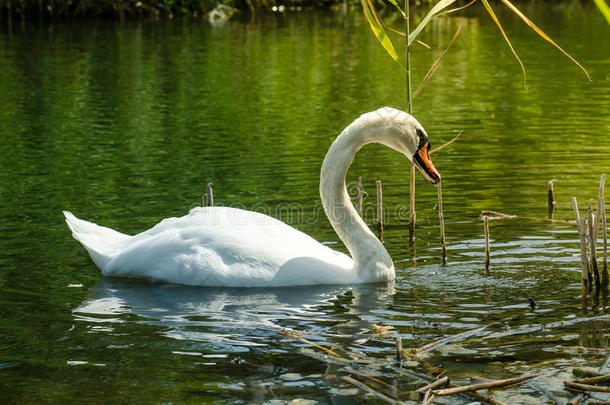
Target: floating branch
x=442, y=223
x=434, y=385
x=368, y=389
x=585, y=387
x=576, y=400
x=495, y=215
x=295, y=335
x=461, y=336
x=379, y=209
x=210, y=194
x=593, y=380
x=428, y=398
x=484, y=386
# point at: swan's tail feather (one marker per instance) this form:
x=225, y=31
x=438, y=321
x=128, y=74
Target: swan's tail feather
x=101, y=243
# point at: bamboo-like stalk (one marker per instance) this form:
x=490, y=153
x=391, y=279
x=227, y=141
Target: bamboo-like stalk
x=379, y=209
x=412, y=214
x=359, y=196
x=605, y=236
x=433, y=385
x=593, y=223
x=484, y=386
x=601, y=212
x=584, y=263
x=487, y=253
x=585, y=387
x=442, y=223
x=210, y=194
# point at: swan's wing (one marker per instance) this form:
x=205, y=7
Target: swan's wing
x=219, y=246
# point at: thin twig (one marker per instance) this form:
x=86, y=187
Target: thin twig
x=483, y=386
x=446, y=144
x=434, y=67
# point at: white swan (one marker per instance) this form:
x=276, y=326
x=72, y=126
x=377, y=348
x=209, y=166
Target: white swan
x=220, y=246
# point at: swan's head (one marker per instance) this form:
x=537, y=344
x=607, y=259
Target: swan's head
x=406, y=135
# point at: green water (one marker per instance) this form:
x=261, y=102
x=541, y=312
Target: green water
x=124, y=124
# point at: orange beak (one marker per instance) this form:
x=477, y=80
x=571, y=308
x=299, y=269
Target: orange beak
x=425, y=165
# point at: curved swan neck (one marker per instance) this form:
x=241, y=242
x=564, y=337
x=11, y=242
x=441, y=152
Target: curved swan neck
x=371, y=261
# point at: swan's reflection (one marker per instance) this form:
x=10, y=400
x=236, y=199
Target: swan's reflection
x=234, y=317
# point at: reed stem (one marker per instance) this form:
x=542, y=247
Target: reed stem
x=584, y=263
x=412, y=214
x=593, y=224
x=487, y=253
x=442, y=223
x=601, y=212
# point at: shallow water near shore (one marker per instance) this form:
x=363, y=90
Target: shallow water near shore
x=124, y=124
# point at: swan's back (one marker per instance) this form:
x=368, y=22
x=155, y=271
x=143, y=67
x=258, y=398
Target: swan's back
x=220, y=246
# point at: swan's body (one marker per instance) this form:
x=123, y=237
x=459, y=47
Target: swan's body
x=220, y=246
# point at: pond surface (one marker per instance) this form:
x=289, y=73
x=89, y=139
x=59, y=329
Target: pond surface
x=124, y=124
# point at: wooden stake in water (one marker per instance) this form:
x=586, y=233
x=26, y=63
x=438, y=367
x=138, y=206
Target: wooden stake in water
x=601, y=211
x=584, y=263
x=442, y=223
x=487, y=253
x=359, y=196
x=398, y=348
x=210, y=194
x=379, y=209
x=593, y=243
x=551, y=199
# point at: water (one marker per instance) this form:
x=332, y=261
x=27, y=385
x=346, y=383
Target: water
x=123, y=124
